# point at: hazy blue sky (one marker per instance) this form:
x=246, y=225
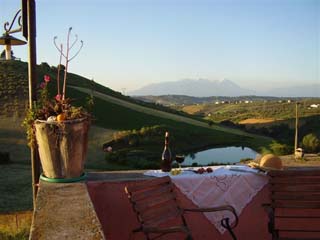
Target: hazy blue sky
x=128, y=44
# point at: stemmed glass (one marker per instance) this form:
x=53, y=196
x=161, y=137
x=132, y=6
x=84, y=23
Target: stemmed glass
x=179, y=159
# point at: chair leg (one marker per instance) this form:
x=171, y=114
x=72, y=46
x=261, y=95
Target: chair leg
x=189, y=237
x=225, y=223
x=131, y=236
x=275, y=235
x=271, y=223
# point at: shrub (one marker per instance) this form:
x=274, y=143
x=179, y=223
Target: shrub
x=22, y=235
x=145, y=164
x=194, y=164
x=134, y=137
x=244, y=160
x=134, y=140
x=45, y=66
x=228, y=123
x=280, y=149
x=311, y=143
x=119, y=157
x=4, y=157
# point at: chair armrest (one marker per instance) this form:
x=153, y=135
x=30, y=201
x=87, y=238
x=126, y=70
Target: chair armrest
x=225, y=221
x=266, y=205
x=216, y=209
x=268, y=208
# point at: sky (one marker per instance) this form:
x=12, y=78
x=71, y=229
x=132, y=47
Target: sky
x=257, y=44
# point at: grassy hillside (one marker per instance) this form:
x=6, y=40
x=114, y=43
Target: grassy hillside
x=112, y=112
x=188, y=134
x=238, y=112
x=269, y=116
x=108, y=114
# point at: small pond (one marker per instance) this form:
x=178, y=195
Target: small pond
x=223, y=155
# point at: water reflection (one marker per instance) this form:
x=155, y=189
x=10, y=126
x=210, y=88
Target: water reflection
x=223, y=155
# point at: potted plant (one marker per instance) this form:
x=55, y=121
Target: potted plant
x=59, y=129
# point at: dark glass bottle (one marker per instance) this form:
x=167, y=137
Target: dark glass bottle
x=166, y=155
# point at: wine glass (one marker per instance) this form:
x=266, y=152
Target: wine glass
x=179, y=159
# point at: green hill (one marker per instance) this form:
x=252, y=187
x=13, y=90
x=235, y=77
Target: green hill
x=142, y=125
x=114, y=111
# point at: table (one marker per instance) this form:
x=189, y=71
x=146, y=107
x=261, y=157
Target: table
x=118, y=219
x=225, y=185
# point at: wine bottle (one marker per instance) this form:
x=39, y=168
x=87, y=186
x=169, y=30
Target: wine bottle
x=166, y=155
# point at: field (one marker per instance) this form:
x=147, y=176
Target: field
x=157, y=113
x=143, y=124
x=112, y=113
x=260, y=110
x=257, y=120
x=15, y=226
x=109, y=117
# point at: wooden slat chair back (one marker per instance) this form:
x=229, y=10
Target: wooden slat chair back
x=154, y=202
x=294, y=211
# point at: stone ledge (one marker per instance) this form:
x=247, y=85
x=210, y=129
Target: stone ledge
x=117, y=176
x=65, y=211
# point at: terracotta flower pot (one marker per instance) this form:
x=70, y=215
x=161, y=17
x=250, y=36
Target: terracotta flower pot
x=62, y=147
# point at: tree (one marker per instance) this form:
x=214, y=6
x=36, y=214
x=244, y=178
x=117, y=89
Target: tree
x=45, y=66
x=311, y=143
x=3, y=54
x=280, y=148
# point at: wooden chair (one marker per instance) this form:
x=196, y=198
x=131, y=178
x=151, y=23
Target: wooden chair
x=158, y=212
x=294, y=211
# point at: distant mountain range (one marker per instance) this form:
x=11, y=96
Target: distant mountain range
x=206, y=88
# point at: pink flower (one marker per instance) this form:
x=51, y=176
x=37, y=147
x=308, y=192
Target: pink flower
x=108, y=149
x=43, y=85
x=46, y=78
x=58, y=97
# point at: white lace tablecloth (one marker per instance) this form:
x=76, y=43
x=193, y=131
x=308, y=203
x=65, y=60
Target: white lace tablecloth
x=226, y=185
